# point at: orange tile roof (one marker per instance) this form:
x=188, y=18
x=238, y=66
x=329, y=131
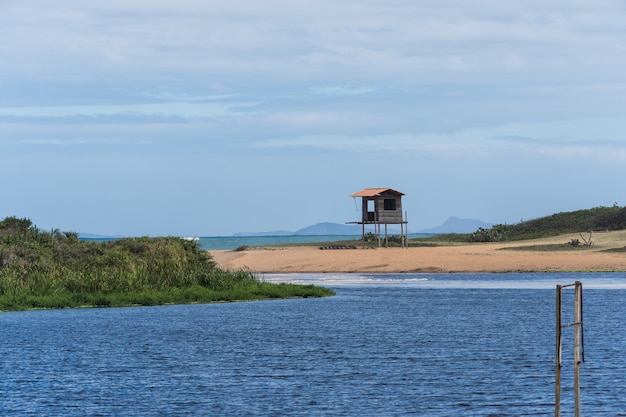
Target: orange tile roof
x=373, y=192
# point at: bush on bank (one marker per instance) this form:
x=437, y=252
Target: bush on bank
x=54, y=269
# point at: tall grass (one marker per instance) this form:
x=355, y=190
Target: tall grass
x=40, y=269
x=597, y=218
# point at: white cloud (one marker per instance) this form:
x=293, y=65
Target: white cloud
x=246, y=85
x=73, y=142
x=566, y=140
x=179, y=109
x=345, y=90
x=306, y=39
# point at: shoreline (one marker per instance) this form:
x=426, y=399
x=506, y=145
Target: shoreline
x=472, y=257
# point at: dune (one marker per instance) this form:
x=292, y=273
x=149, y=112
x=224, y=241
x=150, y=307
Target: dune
x=603, y=256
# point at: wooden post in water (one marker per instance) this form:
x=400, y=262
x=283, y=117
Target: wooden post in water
x=557, y=367
x=579, y=354
x=578, y=321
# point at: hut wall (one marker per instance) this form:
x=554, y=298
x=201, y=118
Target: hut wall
x=389, y=209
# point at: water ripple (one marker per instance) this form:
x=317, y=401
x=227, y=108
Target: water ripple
x=429, y=346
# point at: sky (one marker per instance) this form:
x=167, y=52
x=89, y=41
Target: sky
x=209, y=118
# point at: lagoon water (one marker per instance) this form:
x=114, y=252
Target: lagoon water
x=385, y=345
x=234, y=242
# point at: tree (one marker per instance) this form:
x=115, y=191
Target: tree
x=16, y=224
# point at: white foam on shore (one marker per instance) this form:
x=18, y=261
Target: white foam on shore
x=451, y=281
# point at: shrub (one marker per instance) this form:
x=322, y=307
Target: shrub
x=53, y=269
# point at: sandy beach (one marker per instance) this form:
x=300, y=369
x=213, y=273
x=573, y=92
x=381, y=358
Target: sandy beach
x=483, y=257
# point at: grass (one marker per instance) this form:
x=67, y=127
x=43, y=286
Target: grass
x=579, y=221
x=192, y=295
x=550, y=248
x=357, y=243
x=615, y=250
x=55, y=269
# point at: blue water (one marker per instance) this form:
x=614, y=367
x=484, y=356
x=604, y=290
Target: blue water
x=385, y=345
x=234, y=242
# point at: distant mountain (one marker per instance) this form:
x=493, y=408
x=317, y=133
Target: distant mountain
x=452, y=225
x=457, y=225
x=96, y=236
x=271, y=233
x=320, y=229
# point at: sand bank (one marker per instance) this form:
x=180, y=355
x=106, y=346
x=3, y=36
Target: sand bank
x=485, y=257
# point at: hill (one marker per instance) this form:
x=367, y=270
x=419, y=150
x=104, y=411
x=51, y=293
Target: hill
x=40, y=269
x=473, y=230
x=319, y=229
x=598, y=218
x=270, y=233
x=451, y=225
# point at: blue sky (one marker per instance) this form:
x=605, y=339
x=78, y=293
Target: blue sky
x=207, y=118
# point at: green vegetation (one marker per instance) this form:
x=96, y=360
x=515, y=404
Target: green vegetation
x=615, y=250
x=40, y=269
x=580, y=221
x=439, y=240
x=549, y=247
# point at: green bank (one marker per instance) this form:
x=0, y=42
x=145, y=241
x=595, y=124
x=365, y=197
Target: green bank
x=579, y=221
x=54, y=269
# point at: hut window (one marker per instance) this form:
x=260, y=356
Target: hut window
x=389, y=204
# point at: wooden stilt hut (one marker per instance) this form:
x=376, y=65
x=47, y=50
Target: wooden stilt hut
x=382, y=206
